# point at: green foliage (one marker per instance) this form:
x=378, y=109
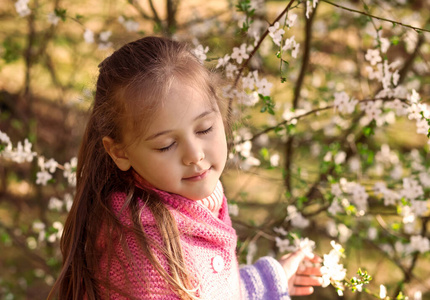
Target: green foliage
x=11, y=49
x=268, y=104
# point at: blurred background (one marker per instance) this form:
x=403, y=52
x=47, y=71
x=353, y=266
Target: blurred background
x=322, y=132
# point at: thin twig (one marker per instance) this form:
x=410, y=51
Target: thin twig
x=154, y=11
x=375, y=17
x=245, y=63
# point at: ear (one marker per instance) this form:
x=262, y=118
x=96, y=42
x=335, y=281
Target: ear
x=117, y=153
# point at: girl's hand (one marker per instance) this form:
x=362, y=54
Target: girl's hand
x=303, y=272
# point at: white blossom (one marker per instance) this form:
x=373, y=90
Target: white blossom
x=340, y=157
x=68, y=200
x=89, y=36
x=373, y=56
x=239, y=53
x=55, y=204
x=420, y=244
x=414, y=112
x=397, y=172
x=56, y=235
x=130, y=25
x=104, y=46
x=22, y=153
x=200, y=52
x=53, y=18
x=222, y=61
x=230, y=70
x=335, y=207
x=354, y=164
x=299, y=221
x=423, y=126
x=336, y=190
x=382, y=292
x=398, y=106
x=407, y=213
x=386, y=156
x=291, y=43
x=385, y=44
x=344, y=233
x=70, y=172
x=105, y=35
x=411, y=189
x=248, y=81
x=51, y=165
x=291, y=19
x=39, y=227
x=332, y=271
x=418, y=295
x=280, y=230
x=296, y=218
x=276, y=33
x=43, y=177
x=4, y=138
x=373, y=110
x=343, y=103
x=283, y=245
x=372, y=233
x=233, y=209
x=264, y=87
x=274, y=160
x=21, y=7
x=310, y=5
x=419, y=207
x=424, y=178
x=249, y=162
x=248, y=99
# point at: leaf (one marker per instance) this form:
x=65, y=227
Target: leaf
x=264, y=153
x=59, y=12
x=395, y=40
x=11, y=50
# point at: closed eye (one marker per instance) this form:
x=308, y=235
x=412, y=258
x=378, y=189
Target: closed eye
x=164, y=149
x=205, y=131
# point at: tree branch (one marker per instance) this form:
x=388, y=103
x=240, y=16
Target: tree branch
x=289, y=151
x=375, y=17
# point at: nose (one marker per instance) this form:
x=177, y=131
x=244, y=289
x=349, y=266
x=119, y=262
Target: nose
x=193, y=153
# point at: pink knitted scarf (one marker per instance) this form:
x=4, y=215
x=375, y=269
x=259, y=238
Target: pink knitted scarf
x=213, y=202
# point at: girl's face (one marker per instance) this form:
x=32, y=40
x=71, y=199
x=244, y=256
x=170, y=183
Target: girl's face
x=184, y=149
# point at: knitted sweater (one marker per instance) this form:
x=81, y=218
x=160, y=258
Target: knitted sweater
x=208, y=244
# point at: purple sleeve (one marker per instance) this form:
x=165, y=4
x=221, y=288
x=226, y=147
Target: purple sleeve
x=264, y=280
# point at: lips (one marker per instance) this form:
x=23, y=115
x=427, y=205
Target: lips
x=198, y=176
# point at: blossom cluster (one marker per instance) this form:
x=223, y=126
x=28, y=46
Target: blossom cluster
x=332, y=271
x=348, y=193
x=23, y=153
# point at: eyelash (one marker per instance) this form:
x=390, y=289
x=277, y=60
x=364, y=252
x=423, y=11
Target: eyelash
x=199, y=132
x=206, y=131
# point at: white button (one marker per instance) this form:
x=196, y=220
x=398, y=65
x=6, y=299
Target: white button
x=217, y=263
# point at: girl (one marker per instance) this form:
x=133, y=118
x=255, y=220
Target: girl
x=149, y=219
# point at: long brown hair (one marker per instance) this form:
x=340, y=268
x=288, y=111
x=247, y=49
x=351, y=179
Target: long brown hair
x=130, y=86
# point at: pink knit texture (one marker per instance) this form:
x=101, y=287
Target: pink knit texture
x=208, y=244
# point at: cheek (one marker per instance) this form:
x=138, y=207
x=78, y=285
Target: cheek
x=221, y=147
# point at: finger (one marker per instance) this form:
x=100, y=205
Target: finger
x=307, y=281
x=296, y=255
x=301, y=291
x=309, y=271
x=314, y=259
x=293, y=260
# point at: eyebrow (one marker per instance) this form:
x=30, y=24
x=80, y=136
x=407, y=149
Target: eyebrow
x=202, y=115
